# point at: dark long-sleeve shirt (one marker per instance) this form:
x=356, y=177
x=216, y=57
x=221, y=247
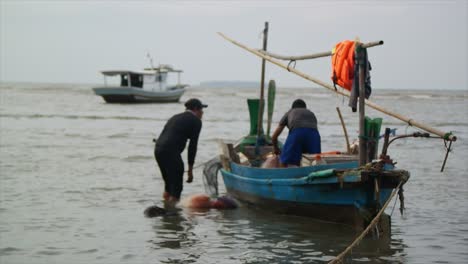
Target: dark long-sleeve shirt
x=178, y=129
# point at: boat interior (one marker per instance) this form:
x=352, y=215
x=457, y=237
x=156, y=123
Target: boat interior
x=264, y=156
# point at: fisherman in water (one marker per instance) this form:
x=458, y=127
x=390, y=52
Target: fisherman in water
x=171, y=143
x=303, y=136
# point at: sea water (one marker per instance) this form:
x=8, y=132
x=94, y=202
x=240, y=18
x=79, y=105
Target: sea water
x=76, y=175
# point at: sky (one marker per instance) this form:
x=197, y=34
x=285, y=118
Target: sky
x=71, y=41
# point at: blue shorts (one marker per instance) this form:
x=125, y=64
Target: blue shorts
x=300, y=140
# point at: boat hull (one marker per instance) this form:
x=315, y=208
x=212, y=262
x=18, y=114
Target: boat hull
x=138, y=95
x=342, y=214
x=351, y=199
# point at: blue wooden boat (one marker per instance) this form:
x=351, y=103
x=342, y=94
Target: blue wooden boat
x=341, y=188
x=338, y=192
x=328, y=186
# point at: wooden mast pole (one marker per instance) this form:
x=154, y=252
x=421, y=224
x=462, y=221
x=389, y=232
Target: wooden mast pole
x=262, y=86
x=360, y=60
x=409, y=121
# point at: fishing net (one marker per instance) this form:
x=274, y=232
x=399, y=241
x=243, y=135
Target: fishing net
x=210, y=176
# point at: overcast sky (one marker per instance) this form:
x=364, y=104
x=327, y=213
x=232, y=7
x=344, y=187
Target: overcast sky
x=71, y=41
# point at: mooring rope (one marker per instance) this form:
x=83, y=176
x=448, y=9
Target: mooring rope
x=339, y=258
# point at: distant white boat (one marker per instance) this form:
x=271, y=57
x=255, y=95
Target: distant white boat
x=147, y=86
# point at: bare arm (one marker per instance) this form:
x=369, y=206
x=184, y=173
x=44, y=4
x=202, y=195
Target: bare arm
x=274, y=138
x=192, y=150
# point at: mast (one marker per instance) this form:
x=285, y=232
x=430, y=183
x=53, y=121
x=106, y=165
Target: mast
x=262, y=86
x=360, y=61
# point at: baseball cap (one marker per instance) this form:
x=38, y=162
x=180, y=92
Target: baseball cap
x=194, y=103
x=298, y=103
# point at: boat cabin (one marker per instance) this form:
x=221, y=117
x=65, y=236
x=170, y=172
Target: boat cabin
x=150, y=79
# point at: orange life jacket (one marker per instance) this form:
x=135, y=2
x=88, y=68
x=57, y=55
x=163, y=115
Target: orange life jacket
x=343, y=64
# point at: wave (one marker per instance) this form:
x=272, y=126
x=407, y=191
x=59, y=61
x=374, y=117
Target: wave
x=112, y=189
x=392, y=122
x=92, y=117
x=49, y=253
x=102, y=158
x=46, y=86
x=48, y=146
x=73, y=192
x=89, y=251
x=419, y=95
x=119, y=135
x=137, y=158
x=9, y=250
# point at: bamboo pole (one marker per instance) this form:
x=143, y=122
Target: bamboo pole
x=271, y=104
x=294, y=58
x=386, y=139
x=315, y=55
x=409, y=121
x=344, y=130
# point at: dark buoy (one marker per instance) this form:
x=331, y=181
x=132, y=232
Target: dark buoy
x=155, y=211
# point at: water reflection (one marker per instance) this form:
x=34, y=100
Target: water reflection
x=265, y=236
x=173, y=234
x=250, y=235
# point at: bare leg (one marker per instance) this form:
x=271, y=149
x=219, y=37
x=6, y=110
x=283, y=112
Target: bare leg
x=170, y=203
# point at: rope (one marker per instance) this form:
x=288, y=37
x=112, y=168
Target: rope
x=446, y=154
x=393, y=208
x=201, y=164
x=290, y=63
x=339, y=258
x=402, y=202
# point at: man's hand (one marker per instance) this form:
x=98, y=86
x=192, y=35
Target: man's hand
x=274, y=139
x=276, y=149
x=190, y=175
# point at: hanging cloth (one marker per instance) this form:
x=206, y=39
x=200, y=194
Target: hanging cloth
x=353, y=98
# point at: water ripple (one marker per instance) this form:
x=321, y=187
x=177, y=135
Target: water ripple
x=78, y=173
x=112, y=189
x=9, y=250
x=90, y=117
x=89, y=251
x=137, y=158
x=49, y=252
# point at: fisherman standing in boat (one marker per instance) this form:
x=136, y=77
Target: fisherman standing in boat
x=171, y=143
x=303, y=136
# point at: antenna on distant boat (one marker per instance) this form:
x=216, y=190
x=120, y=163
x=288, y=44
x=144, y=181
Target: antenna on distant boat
x=152, y=68
x=150, y=59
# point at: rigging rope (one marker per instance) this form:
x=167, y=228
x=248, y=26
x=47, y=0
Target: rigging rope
x=339, y=258
x=402, y=202
x=446, y=154
x=290, y=63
